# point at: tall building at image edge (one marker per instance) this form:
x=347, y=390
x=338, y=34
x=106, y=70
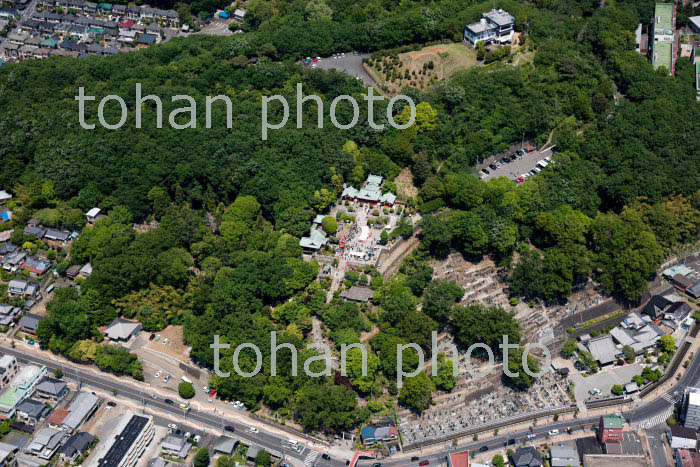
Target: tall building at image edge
x=127, y=441
x=691, y=408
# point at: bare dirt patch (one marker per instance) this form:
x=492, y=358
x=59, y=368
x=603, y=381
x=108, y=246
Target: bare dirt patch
x=404, y=184
x=421, y=69
x=175, y=346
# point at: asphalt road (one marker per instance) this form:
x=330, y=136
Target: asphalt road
x=637, y=415
x=262, y=439
x=275, y=443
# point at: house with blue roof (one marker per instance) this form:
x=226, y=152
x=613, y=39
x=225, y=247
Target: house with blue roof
x=368, y=436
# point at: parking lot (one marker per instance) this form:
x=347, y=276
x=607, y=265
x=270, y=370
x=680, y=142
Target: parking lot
x=350, y=63
x=515, y=168
x=604, y=380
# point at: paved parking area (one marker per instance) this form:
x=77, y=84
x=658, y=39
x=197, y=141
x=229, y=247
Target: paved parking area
x=515, y=168
x=350, y=64
x=604, y=380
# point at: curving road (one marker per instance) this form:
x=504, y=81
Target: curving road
x=262, y=439
x=276, y=443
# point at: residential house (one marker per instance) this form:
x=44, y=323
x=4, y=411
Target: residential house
x=17, y=38
x=225, y=445
x=127, y=36
x=123, y=26
x=82, y=408
x=175, y=446
x=118, y=11
x=494, y=26
x=104, y=8
x=526, y=457
x=35, y=266
x=147, y=39
x=19, y=388
x=681, y=437
x=51, y=389
x=682, y=283
x=4, y=195
x=39, y=231
x=77, y=445
x=46, y=442
x=29, y=323
x=562, y=455
x=610, y=428
x=155, y=29
x=122, y=330
x=73, y=271
x=32, y=411
x=368, y=436
x=127, y=443
x=386, y=433
x=133, y=12
x=58, y=235
x=17, y=287
x=85, y=271
x=8, y=314
x=6, y=249
x=656, y=306
x=8, y=369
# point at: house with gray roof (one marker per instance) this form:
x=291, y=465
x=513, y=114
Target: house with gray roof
x=603, y=349
x=77, y=445
x=562, y=455
x=526, y=457
x=51, y=389
x=122, y=330
x=175, y=446
x=17, y=287
x=357, y=294
x=8, y=314
x=82, y=407
x=225, y=445
x=29, y=323
x=46, y=442
x=32, y=410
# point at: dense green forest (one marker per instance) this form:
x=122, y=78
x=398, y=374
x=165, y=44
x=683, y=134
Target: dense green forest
x=622, y=193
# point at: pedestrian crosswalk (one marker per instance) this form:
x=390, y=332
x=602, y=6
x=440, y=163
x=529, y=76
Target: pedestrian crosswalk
x=311, y=458
x=657, y=419
x=670, y=398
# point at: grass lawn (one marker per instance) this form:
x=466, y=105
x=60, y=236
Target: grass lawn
x=422, y=68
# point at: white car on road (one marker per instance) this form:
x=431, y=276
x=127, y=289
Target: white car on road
x=172, y=426
x=253, y=430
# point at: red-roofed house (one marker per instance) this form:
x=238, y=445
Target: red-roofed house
x=126, y=25
x=458, y=459
x=57, y=417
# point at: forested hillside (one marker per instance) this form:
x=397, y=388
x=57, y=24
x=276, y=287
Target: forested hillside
x=622, y=193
